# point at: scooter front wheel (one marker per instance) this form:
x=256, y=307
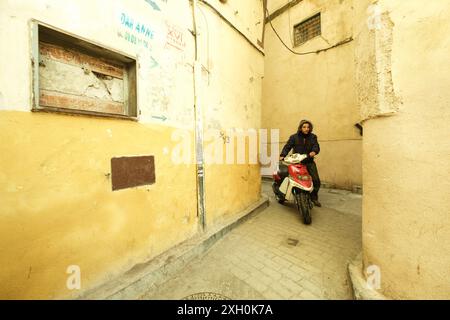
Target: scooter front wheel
x=303, y=199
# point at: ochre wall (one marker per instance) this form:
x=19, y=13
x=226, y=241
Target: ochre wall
x=58, y=208
x=406, y=152
x=319, y=87
x=232, y=89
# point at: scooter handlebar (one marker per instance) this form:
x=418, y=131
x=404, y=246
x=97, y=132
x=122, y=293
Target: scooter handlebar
x=294, y=158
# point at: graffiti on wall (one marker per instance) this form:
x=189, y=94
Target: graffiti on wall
x=175, y=36
x=161, y=46
x=136, y=26
x=135, y=32
x=153, y=5
x=171, y=91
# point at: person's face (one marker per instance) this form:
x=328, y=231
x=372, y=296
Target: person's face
x=306, y=128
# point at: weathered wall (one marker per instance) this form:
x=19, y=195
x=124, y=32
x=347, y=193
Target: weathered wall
x=406, y=152
x=231, y=100
x=57, y=205
x=58, y=208
x=319, y=87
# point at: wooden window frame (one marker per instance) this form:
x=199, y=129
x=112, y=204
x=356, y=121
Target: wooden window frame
x=83, y=45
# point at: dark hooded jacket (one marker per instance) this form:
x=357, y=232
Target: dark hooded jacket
x=303, y=144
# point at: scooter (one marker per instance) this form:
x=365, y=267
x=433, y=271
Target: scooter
x=292, y=182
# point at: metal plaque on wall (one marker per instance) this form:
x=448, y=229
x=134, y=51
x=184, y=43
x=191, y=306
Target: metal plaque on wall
x=129, y=172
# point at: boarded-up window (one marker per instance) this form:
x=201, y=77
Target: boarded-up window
x=76, y=76
x=307, y=30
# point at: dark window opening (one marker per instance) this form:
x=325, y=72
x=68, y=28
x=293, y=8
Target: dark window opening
x=308, y=29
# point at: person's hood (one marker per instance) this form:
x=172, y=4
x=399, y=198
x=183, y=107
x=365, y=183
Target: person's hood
x=299, y=130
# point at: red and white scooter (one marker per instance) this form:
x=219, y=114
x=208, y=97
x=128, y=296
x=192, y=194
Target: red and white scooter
x=292, y=182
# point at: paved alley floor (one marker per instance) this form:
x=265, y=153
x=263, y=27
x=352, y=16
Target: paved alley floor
x=274, y=256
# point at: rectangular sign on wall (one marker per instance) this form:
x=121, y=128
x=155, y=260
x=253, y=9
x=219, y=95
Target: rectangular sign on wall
x=129, y=172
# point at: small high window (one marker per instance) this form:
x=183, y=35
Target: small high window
x=71, y=75
x=307, y=30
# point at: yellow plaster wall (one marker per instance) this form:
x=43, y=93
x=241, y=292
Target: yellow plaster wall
x=231, y=98
x=57, y=207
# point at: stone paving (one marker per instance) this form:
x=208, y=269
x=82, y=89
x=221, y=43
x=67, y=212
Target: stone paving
x=274, y=256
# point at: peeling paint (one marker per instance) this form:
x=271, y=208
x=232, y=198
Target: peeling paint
x=65, y=78
x=377, y=96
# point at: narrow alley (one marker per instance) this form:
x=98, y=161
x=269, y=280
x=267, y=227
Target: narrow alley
x=139, y=141
x=274, y=256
